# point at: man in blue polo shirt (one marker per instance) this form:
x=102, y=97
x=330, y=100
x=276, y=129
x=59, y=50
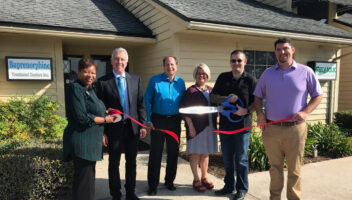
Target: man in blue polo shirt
x=162, y=98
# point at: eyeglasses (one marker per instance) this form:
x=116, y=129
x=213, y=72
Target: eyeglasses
x=236, y=60
x=199, y=74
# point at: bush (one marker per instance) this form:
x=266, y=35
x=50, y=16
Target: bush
x=34, y=170
x=256, y=152
x=46, y=124
x=329, y=139
x=343, y=119
x=8, y=145
x=35, y=118
x=13, y=119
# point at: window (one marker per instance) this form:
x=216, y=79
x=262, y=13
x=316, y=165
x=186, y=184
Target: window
x=258, y=61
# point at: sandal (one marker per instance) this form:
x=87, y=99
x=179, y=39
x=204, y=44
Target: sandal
x=198, y=186
x=209, y=185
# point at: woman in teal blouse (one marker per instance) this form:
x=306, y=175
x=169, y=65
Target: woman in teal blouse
x=82, y=140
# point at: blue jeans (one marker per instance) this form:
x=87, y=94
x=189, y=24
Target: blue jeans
x=235, y=155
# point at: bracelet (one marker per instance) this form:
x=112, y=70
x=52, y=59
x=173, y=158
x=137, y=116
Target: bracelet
x=105, y=122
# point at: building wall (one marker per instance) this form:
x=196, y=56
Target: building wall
x=345, y=94
x=345, y=90
x=28, y=46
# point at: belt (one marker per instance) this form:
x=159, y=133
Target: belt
x=285, y=123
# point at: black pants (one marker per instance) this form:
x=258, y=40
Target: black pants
x=123, y=140
x=84, y=179
x=172, y=123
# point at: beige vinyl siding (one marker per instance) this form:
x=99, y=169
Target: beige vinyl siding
x=20, y=46
x=211, y=49
x=162, y=23
x=345, y=88
x=345, y=95
x=147, y=60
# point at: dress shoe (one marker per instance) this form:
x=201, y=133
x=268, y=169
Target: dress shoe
x=239, y=196
x=152, y=192
x=131, y=197
x=223, y=191
x=170, y=186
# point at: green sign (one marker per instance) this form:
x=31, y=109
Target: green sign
x=326, y=70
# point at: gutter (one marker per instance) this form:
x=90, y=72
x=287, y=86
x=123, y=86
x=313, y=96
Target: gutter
x=77, y=35
x=192, y=25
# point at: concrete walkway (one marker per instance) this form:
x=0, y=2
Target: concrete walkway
x=330, y=179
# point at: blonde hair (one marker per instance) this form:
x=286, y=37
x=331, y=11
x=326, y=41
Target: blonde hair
x=204, y=67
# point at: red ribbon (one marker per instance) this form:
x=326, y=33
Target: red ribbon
x=246, y=128
x=172, y=134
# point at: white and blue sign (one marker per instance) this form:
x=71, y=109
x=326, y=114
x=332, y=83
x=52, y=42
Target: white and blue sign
x=324, y=70
x=35, y=69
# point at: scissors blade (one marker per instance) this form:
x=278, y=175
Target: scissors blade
x=200, y=110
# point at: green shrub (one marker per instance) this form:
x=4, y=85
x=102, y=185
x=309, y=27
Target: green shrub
x=330, y=140
x=35, y=118
x=13, y=119
x=34, y=170
x=344, y=120
x=256, y=152
x=8, y=145
x=46, y=124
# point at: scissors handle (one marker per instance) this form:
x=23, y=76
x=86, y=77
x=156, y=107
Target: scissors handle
x=231, y=109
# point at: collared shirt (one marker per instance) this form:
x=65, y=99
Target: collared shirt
x=162, y=96
x=127, y=111
x=243, y=87
x=286, y=90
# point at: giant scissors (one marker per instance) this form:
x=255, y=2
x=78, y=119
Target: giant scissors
x=226, y=108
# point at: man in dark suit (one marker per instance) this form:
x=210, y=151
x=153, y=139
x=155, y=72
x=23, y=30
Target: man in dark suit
x=123, y=91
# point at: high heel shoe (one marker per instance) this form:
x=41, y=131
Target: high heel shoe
x=209, y=185
x=198, y=186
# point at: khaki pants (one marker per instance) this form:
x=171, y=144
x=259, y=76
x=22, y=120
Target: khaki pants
x=282, y=142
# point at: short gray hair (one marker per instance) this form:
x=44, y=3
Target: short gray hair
x=204, y=67
x=119, y=49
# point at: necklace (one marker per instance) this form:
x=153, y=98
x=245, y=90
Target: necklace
x=204, y=89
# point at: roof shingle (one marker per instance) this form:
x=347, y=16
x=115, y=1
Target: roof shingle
x=345, y=19
x=247, y=13
x=99, y=16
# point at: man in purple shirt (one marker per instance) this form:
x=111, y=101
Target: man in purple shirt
x=285, y=88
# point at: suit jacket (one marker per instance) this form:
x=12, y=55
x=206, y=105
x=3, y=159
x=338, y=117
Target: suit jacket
x=107, y=90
